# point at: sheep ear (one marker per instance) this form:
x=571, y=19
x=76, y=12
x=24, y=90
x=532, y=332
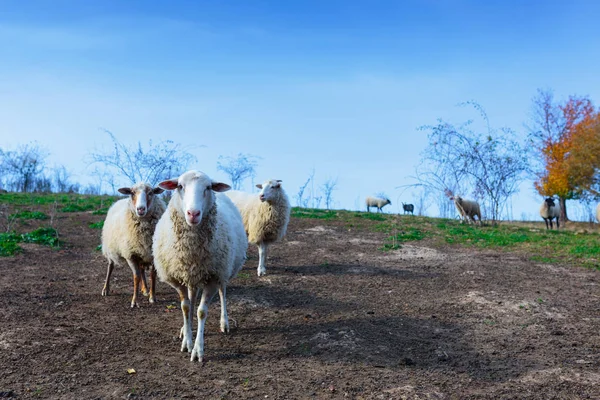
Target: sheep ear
x=157, y=190
x=125, y=190
x=220, y=187
x=170, y=184
x=259, y=186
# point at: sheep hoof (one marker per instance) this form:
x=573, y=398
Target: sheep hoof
x=145, y=292
x=197, y=354
x=186, y=345
x=151, y=300
x=105, y=291
x=262, y=272
x=225, y=327
x=134, y=304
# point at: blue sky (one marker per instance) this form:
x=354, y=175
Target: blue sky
x=335, y=86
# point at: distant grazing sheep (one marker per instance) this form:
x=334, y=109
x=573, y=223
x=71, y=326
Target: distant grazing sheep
x=376, y=202
x=598, y=213
x=408, y=208
x=127, y=235
x=550, y=210
x=468, y=209
x=199, y=243
x=266, y=216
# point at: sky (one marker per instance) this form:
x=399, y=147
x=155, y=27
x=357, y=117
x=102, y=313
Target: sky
x=335, y=87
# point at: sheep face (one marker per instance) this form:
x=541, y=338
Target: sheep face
x=195, y=190
x=142, y=197
x=550, y=202
x=269, y=190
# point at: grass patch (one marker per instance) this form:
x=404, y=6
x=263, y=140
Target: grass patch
x=101, y=211
x=77, y=207
x=394, y=242
x=97, y=225
x=45, y=236
x=30, y=215
x=9, y=244
x=315, y=213
x=369, y=216
x=66, y=202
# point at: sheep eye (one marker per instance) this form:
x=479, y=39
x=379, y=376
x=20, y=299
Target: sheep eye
x=180, y=186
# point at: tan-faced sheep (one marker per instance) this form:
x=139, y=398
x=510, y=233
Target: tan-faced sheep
x=549, y=210
x=127, y=235
x=468, y=209
x=266, y=216
x=376, y=202
x=199, y=243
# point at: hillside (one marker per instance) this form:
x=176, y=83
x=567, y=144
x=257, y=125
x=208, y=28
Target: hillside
x=354, y=305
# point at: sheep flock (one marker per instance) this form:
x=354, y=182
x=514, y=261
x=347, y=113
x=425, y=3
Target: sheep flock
x=198, y=241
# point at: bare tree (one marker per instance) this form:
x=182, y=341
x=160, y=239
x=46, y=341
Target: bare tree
x=61, y=180
x=152, y=163
x=238, y=168
x=492, y=162
x=422, y=201
x=327, y=189
x=23, y=166
x=302, y=201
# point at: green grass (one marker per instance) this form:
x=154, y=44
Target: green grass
x=44, y=236
x=315, y=213
x=407, y=235
x=66, y=202
x=9, y=242
x=97, y=225
x=30, y=215
x=369, y=216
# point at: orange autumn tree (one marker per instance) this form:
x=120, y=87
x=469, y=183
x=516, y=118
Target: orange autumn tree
x=556, y=126
x=583, y=161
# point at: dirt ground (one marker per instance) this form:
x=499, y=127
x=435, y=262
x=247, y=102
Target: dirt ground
x=334, y=318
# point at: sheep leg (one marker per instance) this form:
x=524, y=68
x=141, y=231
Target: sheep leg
x=135, y=269
x=186, y=330
x=152, y=283
x=262, y=259
x=207, y=295
x=224, y=316
x=109, y=270
x=557, y=223
x=143, y=282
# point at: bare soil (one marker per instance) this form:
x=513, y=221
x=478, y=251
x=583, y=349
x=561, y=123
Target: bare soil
x=334, y=318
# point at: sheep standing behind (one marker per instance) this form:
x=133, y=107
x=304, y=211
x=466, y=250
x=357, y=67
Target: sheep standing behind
x=468, y=209
x=408, y=208
x=376, y=202
x=199, y=242
x=550, y=210
x=127, y=235
x=266, y=216
x=598, y=213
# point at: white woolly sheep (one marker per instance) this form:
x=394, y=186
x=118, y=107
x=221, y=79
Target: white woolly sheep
x=127, y=236
x=550, y=210
x=468, y=209
x=265, y=215
x=199, y=242
x=376, y=202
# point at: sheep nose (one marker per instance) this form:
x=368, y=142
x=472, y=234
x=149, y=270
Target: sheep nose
x=193, y=214
x=141, y=210
x=262, y=197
